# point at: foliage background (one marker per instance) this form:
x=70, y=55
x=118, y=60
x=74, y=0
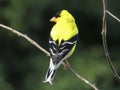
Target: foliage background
x=22, y=66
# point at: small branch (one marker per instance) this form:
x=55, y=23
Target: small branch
x=108, y=12
x=25, y=37
x=104, y=30
x=46, y=52
x=83, y=79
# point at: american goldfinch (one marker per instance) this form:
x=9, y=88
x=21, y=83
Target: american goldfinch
x=62, y=42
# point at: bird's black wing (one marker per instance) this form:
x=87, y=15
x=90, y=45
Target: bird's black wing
x=58, y=52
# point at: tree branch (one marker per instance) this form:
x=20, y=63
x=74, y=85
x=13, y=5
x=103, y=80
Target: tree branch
x=83, y=79
x=46, y=52
x=25, y=37
x=104, y=31
x=109, y=13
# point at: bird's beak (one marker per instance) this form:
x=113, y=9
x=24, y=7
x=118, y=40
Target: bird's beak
x=53, y=19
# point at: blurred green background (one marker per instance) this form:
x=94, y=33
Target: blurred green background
x=23, y=67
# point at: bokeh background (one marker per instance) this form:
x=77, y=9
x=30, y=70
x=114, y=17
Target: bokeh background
x=23, y=66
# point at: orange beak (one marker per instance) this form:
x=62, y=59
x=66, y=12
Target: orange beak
x=54, y=19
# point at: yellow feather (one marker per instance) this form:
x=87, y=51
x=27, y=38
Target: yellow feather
x=65, y=27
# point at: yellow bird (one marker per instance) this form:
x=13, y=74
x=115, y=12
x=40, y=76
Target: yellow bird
x=62, y=42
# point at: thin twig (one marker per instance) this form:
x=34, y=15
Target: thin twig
x=26, y=37
x=104, y=31
x=108, y=12
x=83, y=79
x=47, y=53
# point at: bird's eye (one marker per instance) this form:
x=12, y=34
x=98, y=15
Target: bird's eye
x=57, y=14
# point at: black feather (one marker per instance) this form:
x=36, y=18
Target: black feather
x=57, y=14
x=58, y=52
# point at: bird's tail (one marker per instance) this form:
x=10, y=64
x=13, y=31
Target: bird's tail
x=49, y=76
x=50, y=73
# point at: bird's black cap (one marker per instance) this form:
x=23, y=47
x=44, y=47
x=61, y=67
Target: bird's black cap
x=57, y=14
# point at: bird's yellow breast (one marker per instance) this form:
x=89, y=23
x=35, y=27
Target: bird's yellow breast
x=63, y=31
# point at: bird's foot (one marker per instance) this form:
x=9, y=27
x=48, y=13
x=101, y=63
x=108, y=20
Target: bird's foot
x=66, y=65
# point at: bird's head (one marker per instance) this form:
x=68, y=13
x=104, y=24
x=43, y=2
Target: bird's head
x=62, y=17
